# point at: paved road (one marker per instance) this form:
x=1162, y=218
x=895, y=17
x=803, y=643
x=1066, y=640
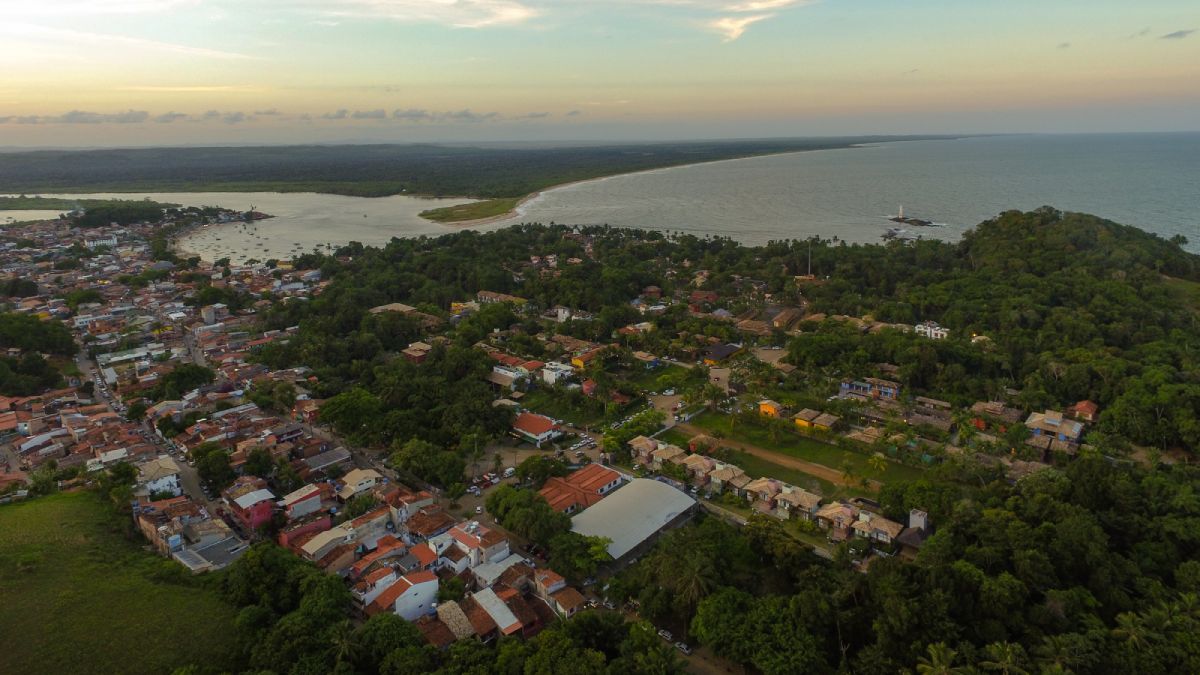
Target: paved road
x=819, y=470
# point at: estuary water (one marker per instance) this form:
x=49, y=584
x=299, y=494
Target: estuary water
x=1151, y=181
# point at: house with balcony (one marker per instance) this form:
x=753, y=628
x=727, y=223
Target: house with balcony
x=794, y=502
x=870, y=388
x=1053, y=424
x=761, y=493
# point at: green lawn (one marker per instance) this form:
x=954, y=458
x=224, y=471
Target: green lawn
x=473, y=211
x=805, y=448
x=674, y=437
x=78, y=596
x=546, y=402
x=647, y=380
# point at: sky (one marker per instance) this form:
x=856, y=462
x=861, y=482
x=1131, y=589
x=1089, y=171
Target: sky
x=101, y=73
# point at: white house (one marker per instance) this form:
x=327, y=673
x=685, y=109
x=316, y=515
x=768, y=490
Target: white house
x=536, y=429
x=160, y=475
x=555, y=372
x=931, y=330
x=302, y=502
x=411, y=596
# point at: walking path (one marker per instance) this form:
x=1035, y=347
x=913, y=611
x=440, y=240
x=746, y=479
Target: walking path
x=819, y=470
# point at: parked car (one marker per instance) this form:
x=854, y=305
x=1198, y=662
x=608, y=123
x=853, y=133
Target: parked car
x=478, y=509
x=682, y=646
x=666, y=635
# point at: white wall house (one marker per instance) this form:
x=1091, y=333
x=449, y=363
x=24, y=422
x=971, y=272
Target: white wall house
x=160, y=475
x=931, y=330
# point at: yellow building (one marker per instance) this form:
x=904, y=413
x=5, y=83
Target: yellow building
x=769, y=408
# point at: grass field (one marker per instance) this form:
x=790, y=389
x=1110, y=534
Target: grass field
x=756, y=467
x=548, y=403
x=647, y=380
x=808, y=449
x=78, y=596
x=473, y=211
x=674, y=437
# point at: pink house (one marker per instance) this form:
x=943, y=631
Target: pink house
x=250, y=501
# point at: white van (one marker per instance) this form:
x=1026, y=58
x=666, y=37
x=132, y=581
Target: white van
x=510, y=472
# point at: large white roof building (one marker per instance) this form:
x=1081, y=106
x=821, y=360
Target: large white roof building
x=632, y=514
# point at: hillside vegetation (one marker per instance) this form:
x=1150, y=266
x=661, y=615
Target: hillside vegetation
x=1072, y=306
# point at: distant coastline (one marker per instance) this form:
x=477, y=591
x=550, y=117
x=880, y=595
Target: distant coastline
x=515, y=211
x=498, y=179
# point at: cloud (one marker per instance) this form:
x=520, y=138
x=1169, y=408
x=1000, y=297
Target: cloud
x=236, y=117
x=80, y=117
x=167, y=118
x=732, y=27
x=457, y=13
x=75, y=8
x=533, y=116
x=574, y=113
x=1178, y=35
x=1141, y=33
x=762, y=5
x=468, y=116
x=411, y=115
x=108, y=41
x=729, y=17
x=1064, y=45
x=269, y=112
x=186, y=89
x=420, y=115
x=211, y=114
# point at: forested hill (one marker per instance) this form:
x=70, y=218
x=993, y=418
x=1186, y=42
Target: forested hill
x=1046, y=241
x=373, y=170
x=1069, y=306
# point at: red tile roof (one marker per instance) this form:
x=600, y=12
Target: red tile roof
x=534, y=425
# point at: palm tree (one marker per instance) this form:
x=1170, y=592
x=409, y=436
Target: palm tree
x=694, y=580
x=1005, y=658
x=939, y=662
x=849, y=475
x=344, y=643
x=877, y=462
x=1132, y=630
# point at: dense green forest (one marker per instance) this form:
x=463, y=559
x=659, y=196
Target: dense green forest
x=1092, y=569
x=29, y=333
x=372, y=170
x=22, y=202
x=28, y=375
x=1073, y=307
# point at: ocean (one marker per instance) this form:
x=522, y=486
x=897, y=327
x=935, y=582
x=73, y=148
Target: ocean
x=1151, y=181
